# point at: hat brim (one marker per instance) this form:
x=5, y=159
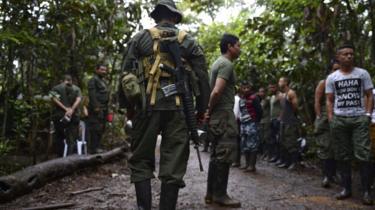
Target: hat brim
x=154, y=13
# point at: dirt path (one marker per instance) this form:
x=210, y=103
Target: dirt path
x=269, y=188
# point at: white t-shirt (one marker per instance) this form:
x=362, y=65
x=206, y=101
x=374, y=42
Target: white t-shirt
x=348, y=90
x=236, y=107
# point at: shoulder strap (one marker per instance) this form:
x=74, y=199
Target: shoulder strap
x=181, y=36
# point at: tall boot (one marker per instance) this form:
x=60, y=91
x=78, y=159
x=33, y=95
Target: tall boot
x=326, y=173
x=273, y=153
x=210, y=182
x=285, y=159
x=247, y=160
x=346, y=180
x=143, y=193
x=252, y=162
x=366, y=176
x=168, y=196
x=294, y=159
x=220, y=195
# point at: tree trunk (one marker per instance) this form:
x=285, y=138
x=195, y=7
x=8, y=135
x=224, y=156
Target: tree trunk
x=372, y=19
x=36, y=176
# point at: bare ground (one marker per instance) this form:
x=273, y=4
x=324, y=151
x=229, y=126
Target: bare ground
x=268, y=188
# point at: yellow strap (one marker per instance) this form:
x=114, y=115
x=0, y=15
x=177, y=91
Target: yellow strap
x=154, y=68
x=181, y=36
x=155, y=87
x=178, y=101
x=155, y=33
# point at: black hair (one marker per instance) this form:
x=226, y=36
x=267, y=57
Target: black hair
x=350, y=46
x=100, y=65
x=287, y=80
x=331, y=63
x=164, y=14
x=227, y=39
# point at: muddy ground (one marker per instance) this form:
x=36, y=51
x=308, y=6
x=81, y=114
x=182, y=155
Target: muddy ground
x=268, y=188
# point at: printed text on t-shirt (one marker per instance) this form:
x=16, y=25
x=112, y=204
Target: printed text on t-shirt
x=348, y=93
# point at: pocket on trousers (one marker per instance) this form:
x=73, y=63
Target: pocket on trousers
x=217, y=127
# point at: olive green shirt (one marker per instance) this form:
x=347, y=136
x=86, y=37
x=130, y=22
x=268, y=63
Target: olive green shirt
x=67, y=95
x=223, y=68
x=98, y=93
x=141, y=46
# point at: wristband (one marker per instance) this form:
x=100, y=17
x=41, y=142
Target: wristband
x=368, y=114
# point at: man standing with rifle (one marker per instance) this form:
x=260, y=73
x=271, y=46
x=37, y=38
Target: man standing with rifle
x=161, y=71
x=222, y=123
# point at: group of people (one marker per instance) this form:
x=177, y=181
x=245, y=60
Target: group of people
x=154, y=88
x=268, y=125
x=69, y=112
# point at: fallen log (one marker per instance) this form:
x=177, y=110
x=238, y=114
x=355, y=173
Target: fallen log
x=36, y=176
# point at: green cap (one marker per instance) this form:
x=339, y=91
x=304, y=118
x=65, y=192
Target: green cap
x=170, y=5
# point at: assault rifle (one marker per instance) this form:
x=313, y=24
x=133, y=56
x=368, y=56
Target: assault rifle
x=182, y=88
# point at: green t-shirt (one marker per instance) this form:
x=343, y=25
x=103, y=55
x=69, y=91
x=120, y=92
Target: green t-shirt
x=223, y=68
x=67, y=96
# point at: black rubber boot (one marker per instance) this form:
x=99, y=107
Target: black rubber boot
x=143, y=193
x=325, y=171
x=329, y=172
x=285, y=157
x=366, y=180
x=168, y=196
x=346, y=181
x=247, y=160
x=210, y=182
x=252, y=162
x=220, y=195
x=294, y=159
x=273, y=153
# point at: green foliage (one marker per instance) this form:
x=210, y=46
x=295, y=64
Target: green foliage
x=296, y=39
x=5, y=147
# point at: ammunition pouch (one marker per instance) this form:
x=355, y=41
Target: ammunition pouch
x=131, y=88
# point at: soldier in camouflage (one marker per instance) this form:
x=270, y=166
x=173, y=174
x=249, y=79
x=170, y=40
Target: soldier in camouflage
x=155, y=111
x=98, y=107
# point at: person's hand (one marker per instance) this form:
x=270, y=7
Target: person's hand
x=69, y=112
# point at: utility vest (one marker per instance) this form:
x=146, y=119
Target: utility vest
x=151, y=64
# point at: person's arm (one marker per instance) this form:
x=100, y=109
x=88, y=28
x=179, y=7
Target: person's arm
x=369, y=101
x=319, y=93
x=330, y=101
x=368, y=86
x=75, y=104
x=59, y=104
x=216, y=93
x=293, y=100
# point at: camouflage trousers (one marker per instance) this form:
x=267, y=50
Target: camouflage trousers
x=223, y=131
x=323, y=138
x=249, y=137
x=351, y=138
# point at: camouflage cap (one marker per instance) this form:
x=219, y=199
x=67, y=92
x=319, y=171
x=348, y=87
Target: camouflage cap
x=170, y=5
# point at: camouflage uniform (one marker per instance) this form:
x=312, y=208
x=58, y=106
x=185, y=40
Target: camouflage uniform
x=163, y=115
x=97, y=109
